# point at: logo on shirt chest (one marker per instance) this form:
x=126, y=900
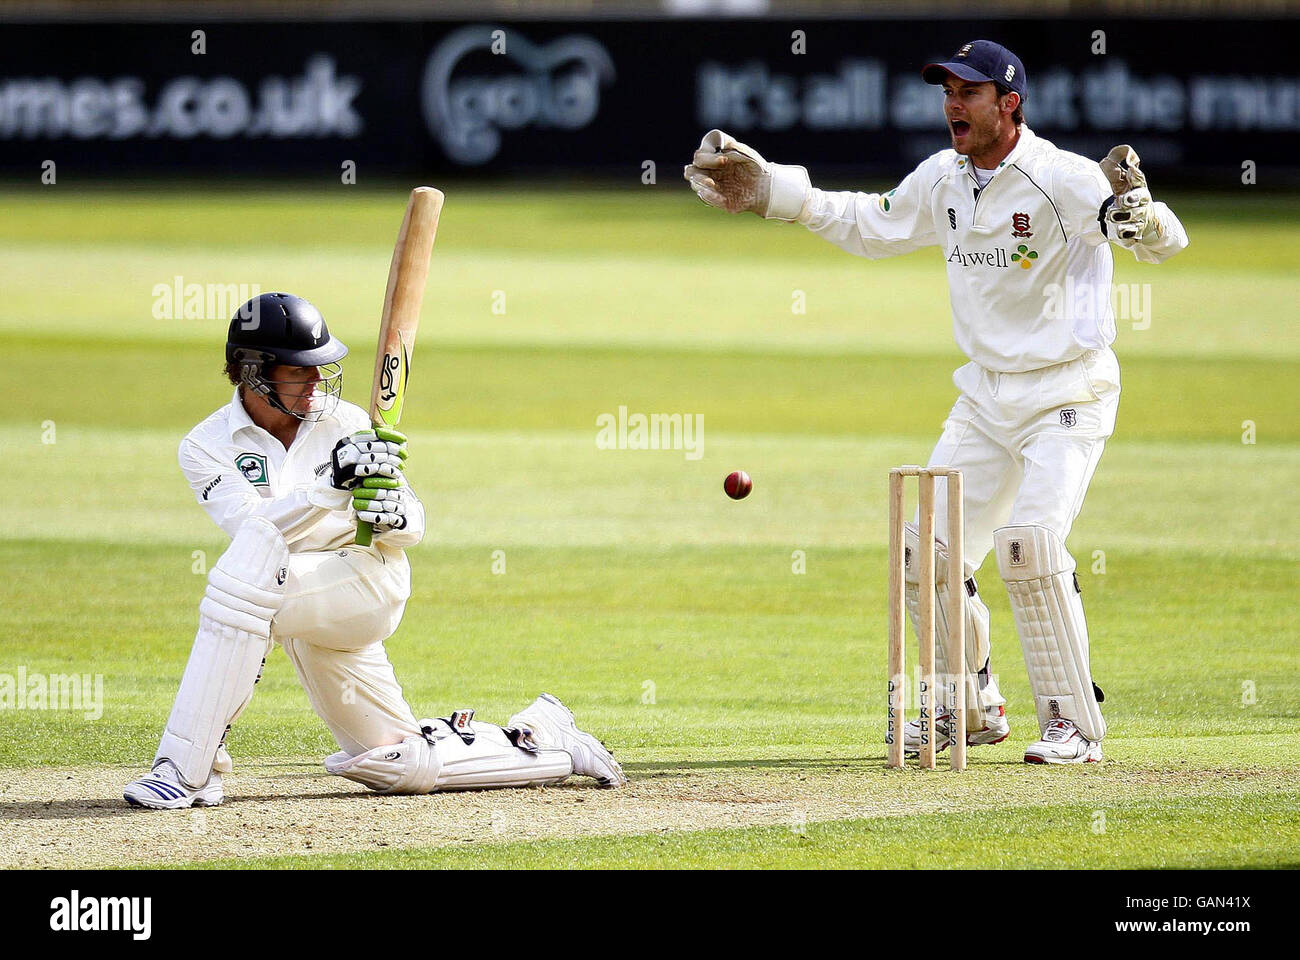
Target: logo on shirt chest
x=997, y=257
x=253, y=467
x=1020, y=226
x=1024, y=256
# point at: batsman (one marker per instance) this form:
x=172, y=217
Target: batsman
x=288, y=471
x=1024, y=230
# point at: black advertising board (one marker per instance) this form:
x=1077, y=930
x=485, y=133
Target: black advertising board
x=1197, y=98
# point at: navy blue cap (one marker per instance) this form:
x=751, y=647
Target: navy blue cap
x=981, y=61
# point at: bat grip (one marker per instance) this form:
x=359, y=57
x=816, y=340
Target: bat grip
x=364, y=532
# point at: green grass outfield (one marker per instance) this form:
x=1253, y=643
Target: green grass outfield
x=746, y=699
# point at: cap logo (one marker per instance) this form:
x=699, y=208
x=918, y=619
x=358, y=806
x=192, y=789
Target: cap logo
x=1011, y=72
x=964, y=50
x=315, y=330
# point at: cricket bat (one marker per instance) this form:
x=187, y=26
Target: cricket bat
x=401, y=317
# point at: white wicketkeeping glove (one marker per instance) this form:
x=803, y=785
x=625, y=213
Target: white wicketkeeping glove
x=1129, y=216
x=731, y=176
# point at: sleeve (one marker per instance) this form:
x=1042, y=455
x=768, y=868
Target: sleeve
x=875, y=225
x=229, y=499
x=1082, y=194
x=413, y=532
x=1165, y=236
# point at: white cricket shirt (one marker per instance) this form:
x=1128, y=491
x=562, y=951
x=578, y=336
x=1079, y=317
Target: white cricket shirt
x=1029, y=266
x=238, y=470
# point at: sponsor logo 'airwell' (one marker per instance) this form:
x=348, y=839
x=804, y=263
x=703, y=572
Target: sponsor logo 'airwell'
x=653, y=431
x=997, y=257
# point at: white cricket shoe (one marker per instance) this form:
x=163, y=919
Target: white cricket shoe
x=162, y=789
x=549, y=723
x=995, y=730
x=1063, y=743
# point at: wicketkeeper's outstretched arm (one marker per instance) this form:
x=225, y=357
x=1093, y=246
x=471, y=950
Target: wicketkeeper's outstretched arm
x=732, y=176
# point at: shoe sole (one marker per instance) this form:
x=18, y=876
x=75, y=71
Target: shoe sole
x=592, y=743
x=1033, y=758
x=173, y=805
x=180, y=803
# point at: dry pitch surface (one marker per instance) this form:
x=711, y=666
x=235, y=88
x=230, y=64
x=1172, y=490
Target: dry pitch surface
x=74, y=817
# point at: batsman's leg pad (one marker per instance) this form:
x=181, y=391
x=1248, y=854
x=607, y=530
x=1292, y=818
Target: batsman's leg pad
x=408, y=767
x=1048, y=610
x=479, y=757
x=234, y=636
x=978, y=692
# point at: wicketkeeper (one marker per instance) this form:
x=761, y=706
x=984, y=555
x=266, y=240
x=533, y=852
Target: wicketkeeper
x=1025, y=230
x=286, y=469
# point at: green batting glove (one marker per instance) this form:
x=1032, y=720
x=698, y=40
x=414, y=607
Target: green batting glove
x=381, y=502
x=391, y=436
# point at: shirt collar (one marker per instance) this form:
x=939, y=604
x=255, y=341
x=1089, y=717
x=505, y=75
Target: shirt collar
x=239, y=418
x=1022, y=146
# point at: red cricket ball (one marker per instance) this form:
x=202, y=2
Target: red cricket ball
x=738, y=485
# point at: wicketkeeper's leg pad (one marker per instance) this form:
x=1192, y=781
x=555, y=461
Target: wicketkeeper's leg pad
x=472, y=756
x=244, y=591
x=1048, y=610
x=980, y=691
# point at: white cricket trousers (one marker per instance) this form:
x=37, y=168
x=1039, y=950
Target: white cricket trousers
x=1027, y=445
x=339, y=608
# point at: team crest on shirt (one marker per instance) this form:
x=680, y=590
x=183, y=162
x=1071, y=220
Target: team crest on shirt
x=1020, y=226
x=1069, y=417
x=253, y=467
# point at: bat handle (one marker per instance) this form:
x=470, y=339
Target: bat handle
x=364, y=532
